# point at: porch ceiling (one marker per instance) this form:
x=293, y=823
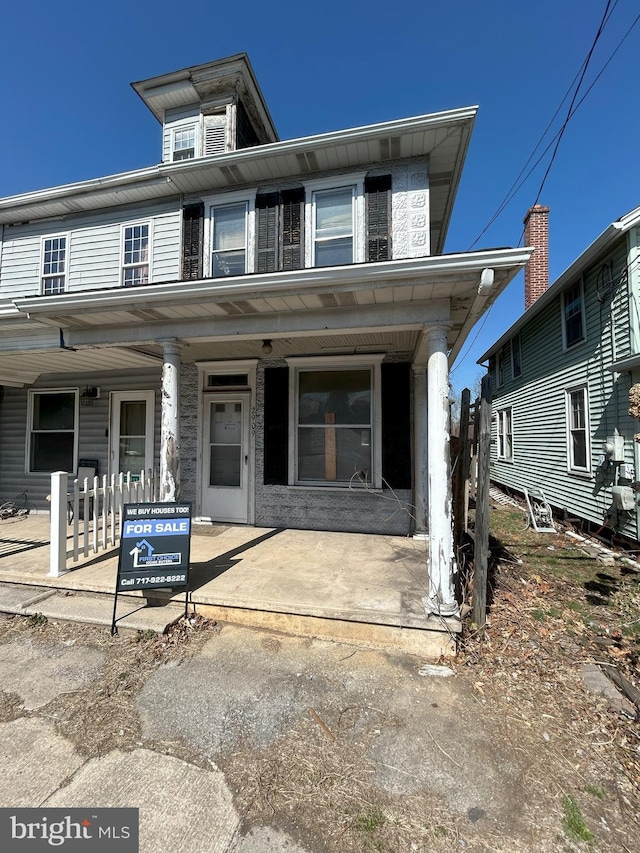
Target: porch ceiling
x=31, y=364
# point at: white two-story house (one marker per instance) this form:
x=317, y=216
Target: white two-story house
x=269, y=323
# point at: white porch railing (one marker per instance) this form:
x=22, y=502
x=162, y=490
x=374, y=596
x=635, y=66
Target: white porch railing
x=94, y=508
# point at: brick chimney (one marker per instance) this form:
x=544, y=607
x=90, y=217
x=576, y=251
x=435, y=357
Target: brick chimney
x=536, y=272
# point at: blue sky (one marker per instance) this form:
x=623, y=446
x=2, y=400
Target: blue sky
x=70, y=114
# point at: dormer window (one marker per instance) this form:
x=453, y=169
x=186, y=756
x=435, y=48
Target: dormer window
x=184, y=143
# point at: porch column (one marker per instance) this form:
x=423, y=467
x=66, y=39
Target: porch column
x=441, y=598
x=420, y=470
x=170, y=422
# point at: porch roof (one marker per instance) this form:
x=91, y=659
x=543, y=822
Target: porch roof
x=364, y=305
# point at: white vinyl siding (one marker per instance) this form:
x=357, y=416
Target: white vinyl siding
x=93, y=250
x=93, y=442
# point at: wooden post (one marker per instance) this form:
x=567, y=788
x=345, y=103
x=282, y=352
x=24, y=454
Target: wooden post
x=481, y=551
x=462, y=472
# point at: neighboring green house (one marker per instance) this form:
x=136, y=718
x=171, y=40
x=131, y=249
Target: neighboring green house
x=562, y=377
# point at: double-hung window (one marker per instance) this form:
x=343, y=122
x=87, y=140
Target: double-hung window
x=135, y=262
x=52, y=433
x=54, y=265
x=573, y=315
x=505, y=434
x=333, y=226
x=229, y=239
x=184, y=143
x=336, y=439
x=579, y=449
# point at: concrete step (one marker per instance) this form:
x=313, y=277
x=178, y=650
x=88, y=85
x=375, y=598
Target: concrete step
x=132, y=614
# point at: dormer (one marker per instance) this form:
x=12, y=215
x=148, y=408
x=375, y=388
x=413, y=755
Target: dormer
x=208, y=109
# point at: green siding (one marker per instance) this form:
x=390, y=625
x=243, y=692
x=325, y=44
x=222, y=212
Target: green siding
x=538, y=397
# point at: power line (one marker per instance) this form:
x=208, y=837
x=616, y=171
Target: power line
x=573, y=100
x=518, y=183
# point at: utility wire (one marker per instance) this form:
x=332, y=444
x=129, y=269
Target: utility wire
x=573, y=100
x=517, y=184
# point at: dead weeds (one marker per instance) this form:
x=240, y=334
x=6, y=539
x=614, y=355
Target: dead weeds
x=104, y=715
x=554, y=608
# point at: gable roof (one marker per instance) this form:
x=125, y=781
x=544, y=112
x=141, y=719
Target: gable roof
x=609, y=236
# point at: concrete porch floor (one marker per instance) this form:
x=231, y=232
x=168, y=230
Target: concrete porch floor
x=352, y=587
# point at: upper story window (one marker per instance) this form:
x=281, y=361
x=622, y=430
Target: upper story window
x=578, y=442
x=135, y=261
x=333, y=227
x=184, y=143
x=229, y=239
x=54, y=265
x=573, y=315
x=516, y=357
x=503, y=358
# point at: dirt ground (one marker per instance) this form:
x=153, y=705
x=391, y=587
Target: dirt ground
x=554, y=609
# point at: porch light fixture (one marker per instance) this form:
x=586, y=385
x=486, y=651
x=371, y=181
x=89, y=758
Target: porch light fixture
x=89, y=394
x=267, y=348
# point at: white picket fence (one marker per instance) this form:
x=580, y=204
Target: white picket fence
x=94, y=508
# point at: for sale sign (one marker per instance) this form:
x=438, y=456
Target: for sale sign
x=154, y=546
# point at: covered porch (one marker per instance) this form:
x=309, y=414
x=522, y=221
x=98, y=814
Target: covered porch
x=351, y=587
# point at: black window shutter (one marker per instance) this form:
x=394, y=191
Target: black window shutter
x=276, y=426
x=192, y=231
x=267, y=231
x=292, y=229
x=396, y=425
x=378, y=207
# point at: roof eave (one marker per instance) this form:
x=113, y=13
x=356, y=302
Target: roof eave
x=610, y=234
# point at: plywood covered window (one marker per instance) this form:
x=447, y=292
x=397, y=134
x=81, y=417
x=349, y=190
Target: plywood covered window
x=337, y=421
